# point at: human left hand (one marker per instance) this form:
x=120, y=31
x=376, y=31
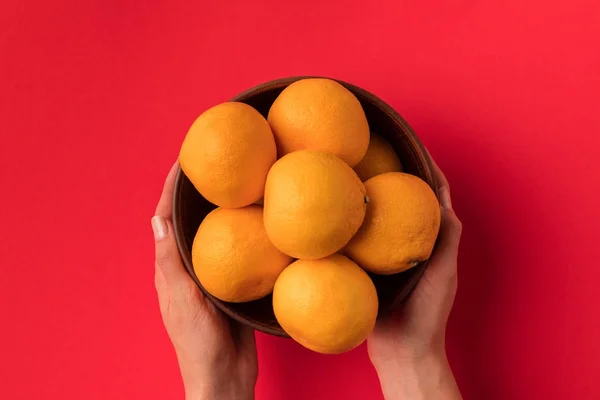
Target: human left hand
x=217, y=356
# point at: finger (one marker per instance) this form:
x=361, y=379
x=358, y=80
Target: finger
x=165, y=204
x=168, y=262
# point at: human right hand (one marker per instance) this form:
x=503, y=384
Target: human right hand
x=408, y=348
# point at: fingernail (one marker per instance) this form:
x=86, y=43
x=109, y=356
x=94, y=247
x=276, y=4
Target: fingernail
x=159, y=227
x=445, y=200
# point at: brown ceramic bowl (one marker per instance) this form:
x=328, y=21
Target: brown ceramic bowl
x=190, y=208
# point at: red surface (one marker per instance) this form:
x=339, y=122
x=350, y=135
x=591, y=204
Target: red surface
x=96, y=96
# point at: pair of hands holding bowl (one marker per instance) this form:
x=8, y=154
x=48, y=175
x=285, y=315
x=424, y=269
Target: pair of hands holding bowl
x=217, y=356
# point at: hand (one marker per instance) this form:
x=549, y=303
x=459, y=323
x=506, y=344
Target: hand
x=217, y=356
x=408, y=348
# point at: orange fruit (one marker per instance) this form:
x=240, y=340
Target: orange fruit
x=233, y=257
x=380, y=157
x=320, y=114
x=314, y=203
x=400, y=227
x=327, y=305
x=227, y=154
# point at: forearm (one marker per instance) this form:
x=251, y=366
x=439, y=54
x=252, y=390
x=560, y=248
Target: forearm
x=427, y=379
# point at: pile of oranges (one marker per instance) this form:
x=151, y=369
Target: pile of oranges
x=308, y=200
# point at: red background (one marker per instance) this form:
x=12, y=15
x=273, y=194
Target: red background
x=96, y=97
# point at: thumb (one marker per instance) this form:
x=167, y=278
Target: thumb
x=167, y=260
x=446, y=250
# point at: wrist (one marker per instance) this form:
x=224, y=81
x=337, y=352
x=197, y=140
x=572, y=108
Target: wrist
x=199, y=393
x=210, y=386
x=428, y=377
x=225, y=392
x=214, y=381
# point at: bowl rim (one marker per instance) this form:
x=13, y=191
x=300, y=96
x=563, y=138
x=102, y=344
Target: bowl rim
x=392, y=114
